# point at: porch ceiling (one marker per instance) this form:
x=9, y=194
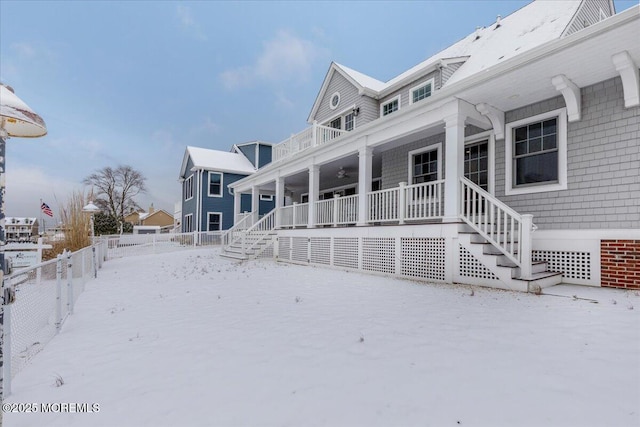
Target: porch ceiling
x=587, y=62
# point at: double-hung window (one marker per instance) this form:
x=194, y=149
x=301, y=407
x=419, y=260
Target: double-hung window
x=424, y=164
x=187, y=225
x=215, y=184
x=349, y=121
x=214, y=221
x=188, y=188
x=536, y=153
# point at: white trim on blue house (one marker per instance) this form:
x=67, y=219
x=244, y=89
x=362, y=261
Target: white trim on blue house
x=188, y=188
x=221, y=193
x=209, y=221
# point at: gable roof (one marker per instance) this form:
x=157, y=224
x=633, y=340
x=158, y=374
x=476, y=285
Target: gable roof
x=530, y=26
x=215, y=160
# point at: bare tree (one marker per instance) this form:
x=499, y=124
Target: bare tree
x=115, y=189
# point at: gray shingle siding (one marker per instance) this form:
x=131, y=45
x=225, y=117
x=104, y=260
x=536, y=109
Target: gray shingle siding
x=448, y=71
x=395, y=162
x=348, y=96
x=404, y=90
x=588, y=14
x=603, y=173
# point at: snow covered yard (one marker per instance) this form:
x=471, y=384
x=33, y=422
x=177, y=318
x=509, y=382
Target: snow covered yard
x=190, y=339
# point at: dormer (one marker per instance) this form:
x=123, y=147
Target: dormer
x=259, y=153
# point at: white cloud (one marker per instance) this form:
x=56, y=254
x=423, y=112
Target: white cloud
x=284, y=58
x=189, y=23
x=24, y=49
x=283, y=101
x=26, y=185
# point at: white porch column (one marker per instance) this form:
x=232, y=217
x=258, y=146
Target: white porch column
x=365, y=176
x=314, y=189
x=255, y=203
x=237, y=206
x=454, y=166
x=279, y=200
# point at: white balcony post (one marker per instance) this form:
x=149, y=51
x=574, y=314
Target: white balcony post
x=314, y=189
x=314, y=133
x=255, y=203
x=293, y=215
x=526, y=246
x=336, y=199
x=365, y=176
x=279, y=200
x=402, y=202
x=237, y=198
x=454, y=165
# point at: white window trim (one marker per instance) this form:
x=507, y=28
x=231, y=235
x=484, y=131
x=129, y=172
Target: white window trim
x=431, y=81
x=341, y=115
x=266, y=197
x=184, y=222
x=490, y=136
x=221, y=184
x=509, y=188
x=209, y=222
x=390, y=100
x=432, y=147
x=186, y=197
x=331, y=106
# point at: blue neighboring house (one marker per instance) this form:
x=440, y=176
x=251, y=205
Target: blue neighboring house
x=207, y=202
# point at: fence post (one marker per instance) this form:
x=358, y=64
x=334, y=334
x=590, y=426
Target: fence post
x=195, y=238
x=69, y=283
x=336, y=198
x=83, y=252
x=153, y=243
x=526, y=246
x=58, y=293
x=402, y=202
x=94, y=260
x=293, y=215
x=314, y=133
x=6, y=373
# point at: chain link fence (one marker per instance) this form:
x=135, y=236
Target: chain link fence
x=44, y=296
x=46, y=293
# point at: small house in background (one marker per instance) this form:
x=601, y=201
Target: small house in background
x=21, y=229
x=207, y=204
x=154, y=217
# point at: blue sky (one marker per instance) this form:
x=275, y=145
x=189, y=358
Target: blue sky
x=136, y=82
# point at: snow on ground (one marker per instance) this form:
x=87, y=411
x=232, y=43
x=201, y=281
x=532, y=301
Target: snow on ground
x=190, y=339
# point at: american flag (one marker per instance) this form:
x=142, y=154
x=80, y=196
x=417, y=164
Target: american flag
x=46, y=209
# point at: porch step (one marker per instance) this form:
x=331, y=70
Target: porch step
x=234, y=255
x=505, y=269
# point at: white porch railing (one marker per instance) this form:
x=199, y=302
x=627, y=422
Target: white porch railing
x=310, y=137
x=346, y=209
x=258, y=232
x=324, y=212
x=296, y=215
x=234, y=233
x=406, y=203
x=500, y=225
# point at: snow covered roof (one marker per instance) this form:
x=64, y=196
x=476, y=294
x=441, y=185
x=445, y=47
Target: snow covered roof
x=533, y=25
x=215, y=160
x=11, y=220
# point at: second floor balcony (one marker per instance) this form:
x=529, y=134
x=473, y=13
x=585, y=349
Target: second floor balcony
x=308, y=138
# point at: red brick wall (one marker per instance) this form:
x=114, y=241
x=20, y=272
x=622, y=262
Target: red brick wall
x=620, y=261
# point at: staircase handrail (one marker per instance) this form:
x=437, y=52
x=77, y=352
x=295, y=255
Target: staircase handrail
x=260, y=230
x=231, y=235
x=507, y=220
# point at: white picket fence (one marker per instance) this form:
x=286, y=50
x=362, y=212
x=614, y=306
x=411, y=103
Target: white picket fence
x=143, y=244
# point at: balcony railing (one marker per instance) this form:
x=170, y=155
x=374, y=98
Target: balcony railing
x=310, y=137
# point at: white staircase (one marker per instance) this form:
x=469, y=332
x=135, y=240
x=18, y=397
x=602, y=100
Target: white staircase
x=500, y=239
x=245, y=241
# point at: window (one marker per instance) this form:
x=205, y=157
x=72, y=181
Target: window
x=476, y=163
x=376, y=184
x=391, y=106
x=214, y=221
x=266, y=197
x=215, y=184
x=187, y=226
x=536, y=153
x=424, y=90
x=336, y=123
x=188, y=188
x=424, y=164
x=349, y=121
x=335, y=100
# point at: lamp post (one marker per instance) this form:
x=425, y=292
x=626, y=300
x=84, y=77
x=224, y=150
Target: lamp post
x=92, y=209
x=16, y=120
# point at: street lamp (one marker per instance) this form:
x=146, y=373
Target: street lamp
x=16, y=120
x=92, y=209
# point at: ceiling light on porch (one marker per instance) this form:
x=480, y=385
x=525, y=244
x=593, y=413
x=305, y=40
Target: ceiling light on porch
x=342, y=173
